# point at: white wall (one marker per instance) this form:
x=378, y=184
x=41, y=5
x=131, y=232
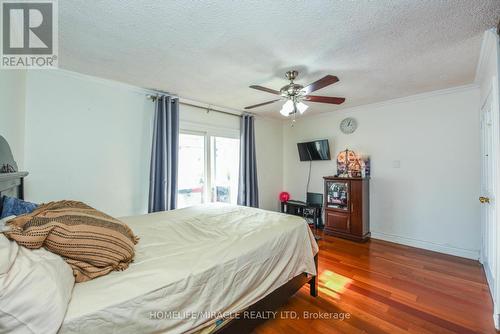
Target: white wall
x=269, y=146
x=89, y=139
x=431, y=200
x=201, y=119
x=12, y=97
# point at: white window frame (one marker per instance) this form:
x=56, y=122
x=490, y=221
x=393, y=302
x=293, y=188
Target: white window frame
x=208, y=131
x=205, y=167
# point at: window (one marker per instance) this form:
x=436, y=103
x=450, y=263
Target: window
x=191, y=175
x=208, y=169
x=225, y=169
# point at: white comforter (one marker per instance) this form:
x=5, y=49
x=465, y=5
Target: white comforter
x=190, y=263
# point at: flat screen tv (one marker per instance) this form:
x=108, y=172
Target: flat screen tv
x=314, y=150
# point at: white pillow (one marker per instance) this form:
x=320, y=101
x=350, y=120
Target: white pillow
x=35, y=289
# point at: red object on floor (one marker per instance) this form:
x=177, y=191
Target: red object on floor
x=284, y=196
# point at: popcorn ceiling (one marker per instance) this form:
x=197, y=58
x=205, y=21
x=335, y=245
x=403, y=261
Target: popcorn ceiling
x=211, y=51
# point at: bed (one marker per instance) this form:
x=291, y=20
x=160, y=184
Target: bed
x=201, y=269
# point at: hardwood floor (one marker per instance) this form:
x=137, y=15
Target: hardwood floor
x=389, y=288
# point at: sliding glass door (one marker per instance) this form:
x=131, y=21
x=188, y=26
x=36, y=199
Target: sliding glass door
x=192, y=176
x=225, y=168
x=208, y=168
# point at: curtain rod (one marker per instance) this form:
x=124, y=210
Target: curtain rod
x=208, y=109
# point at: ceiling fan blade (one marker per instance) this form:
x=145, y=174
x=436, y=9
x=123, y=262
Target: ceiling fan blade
x=324, y=99
x=323, y=82
x=261, y=104
x=264, y=89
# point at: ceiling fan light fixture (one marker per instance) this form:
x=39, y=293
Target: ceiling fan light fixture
x=294, y=94
x=287, y=108
x=284, y=112
x=302, y=107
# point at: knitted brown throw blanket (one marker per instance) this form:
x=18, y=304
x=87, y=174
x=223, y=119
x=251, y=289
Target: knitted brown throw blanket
x=91, y=242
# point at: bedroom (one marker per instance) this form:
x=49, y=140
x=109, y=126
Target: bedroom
x=420, y=83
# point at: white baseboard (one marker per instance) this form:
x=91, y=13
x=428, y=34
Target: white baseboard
x=491, y=286
x=489, y=278
x=467, y=253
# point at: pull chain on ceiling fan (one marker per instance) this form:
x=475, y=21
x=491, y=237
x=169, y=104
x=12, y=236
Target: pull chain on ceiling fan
x=294, y=94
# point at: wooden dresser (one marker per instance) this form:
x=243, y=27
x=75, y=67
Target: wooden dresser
x=347, y=207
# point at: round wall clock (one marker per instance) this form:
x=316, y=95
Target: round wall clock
x=348, y=125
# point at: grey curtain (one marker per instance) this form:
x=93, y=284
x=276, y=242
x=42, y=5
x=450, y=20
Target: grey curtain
x=164, y=155
x=248, y=190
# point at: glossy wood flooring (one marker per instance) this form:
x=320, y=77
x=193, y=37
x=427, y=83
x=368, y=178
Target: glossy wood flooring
x=389, y=288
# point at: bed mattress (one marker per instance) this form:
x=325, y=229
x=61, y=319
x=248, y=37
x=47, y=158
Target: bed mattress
x=191, y=267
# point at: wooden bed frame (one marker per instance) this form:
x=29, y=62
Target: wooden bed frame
x=271, y=302
x=12, y=184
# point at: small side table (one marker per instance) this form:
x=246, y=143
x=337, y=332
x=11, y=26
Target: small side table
x=302, y=209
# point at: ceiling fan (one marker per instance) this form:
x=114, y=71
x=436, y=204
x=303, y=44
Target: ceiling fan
x=294, y=94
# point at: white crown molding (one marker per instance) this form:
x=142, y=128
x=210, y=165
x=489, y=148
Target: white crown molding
x=406, y=99
x=102, y=81
x=205, y=105
x=139, y=90
x=441, y=248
